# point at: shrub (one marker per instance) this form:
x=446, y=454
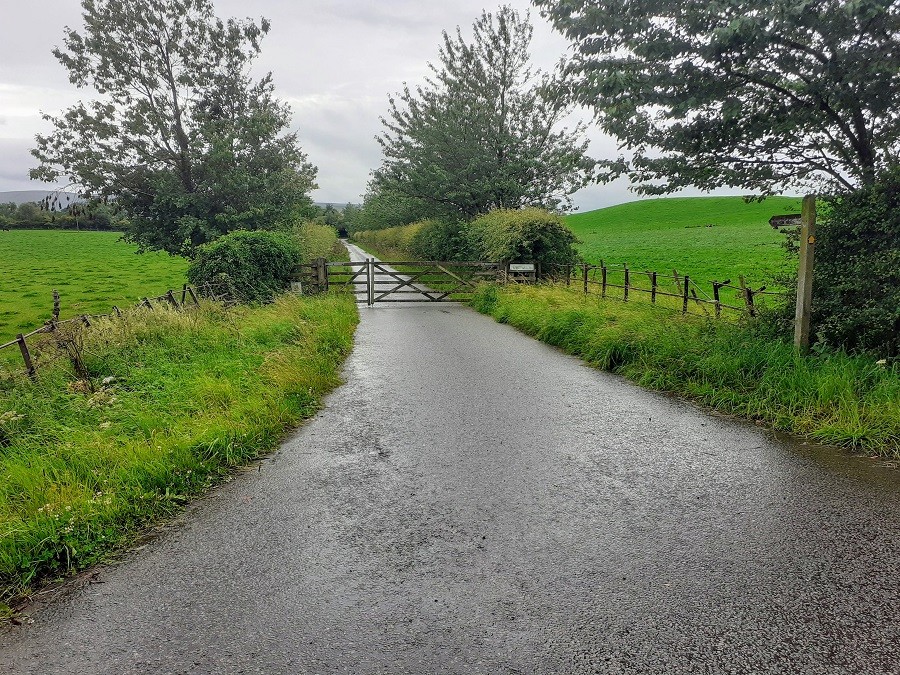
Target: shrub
x=315, y=240
x=524, y=235
x=256, y=265
x=392, y=240
x=856, y=291
x=441, y=240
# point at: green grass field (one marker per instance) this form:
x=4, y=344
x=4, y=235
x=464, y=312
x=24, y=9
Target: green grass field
x=91, y=271
x=704, y=237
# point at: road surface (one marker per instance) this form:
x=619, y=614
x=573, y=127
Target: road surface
x=472, y=501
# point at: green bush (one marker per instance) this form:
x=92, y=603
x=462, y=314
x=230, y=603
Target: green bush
x=441, y=240
x=256, y=266
x=856, y=292
x=523, y=235
x=315, y=240
x=391, y=241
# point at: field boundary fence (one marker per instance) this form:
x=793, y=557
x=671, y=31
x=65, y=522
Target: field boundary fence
x=68, y=331
x=674, y=291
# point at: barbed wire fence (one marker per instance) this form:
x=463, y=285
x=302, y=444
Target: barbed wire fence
x=673, y=291
x=66, y=335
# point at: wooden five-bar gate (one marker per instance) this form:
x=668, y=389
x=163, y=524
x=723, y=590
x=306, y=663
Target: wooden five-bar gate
x=374, y=281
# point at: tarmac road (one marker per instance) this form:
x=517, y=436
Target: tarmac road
x=472, y=501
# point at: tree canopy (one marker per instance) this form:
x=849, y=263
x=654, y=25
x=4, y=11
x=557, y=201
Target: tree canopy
x=761, y=94
x=483, y=131
x=180, y=135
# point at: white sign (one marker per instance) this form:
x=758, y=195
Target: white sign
x=521, y=267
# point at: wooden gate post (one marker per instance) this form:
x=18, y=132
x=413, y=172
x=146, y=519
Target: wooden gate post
x=322, y=273
x=370, y=281
x=805, y=274
x=684, y=297
x=627, y=282
x=584, y=274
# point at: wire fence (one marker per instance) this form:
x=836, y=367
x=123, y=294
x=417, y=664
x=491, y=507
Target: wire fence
x=670, y=291
x=66, y=335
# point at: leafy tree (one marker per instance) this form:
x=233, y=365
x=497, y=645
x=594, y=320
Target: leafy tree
x=30, y=214
x=180, y=137
x=761, y=94
x=384, y=207
x=856, y=302
x=482, y=131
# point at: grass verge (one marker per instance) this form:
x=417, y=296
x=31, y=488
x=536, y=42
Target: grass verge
x=850, y=401
x=83, y=468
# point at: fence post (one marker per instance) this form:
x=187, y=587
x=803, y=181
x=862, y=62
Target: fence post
x=146, y=303
x=716, y=287
x=537, y=271
x=684, y=304
x=568, y=275
x=602, y=279
x=183, y=294
x=190, y=290
x=370, y=279
x=748, y=296
x=26, y=356
x=170, y=296
x=805, y=274
x=117, y=311
x=321, y=273
x=584, y=273
x=85, y=320
x=627, y=282
x=55, y=305
x=653, y=287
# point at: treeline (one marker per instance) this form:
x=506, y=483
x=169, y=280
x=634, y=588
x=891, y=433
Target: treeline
x=31, y=216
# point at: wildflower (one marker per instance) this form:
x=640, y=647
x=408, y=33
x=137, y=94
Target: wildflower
x=10, y=416
x=881, y=362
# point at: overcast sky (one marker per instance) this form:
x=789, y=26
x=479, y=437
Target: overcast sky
x=334, y=61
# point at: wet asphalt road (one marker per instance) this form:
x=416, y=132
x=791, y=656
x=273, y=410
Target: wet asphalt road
x=472, y=501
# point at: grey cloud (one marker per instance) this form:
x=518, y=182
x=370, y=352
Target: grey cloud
x=336, y=61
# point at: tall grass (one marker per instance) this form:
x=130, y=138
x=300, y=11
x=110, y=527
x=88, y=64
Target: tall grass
x=392, y=243
x=316, y=240
x=174, y=401
x=851, y=401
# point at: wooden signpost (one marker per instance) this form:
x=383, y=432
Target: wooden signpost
x=805, y=275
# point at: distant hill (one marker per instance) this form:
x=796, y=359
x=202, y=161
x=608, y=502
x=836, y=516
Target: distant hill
x=23, y=196
x=704, y=237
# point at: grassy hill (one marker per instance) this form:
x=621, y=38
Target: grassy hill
x=705, y=237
